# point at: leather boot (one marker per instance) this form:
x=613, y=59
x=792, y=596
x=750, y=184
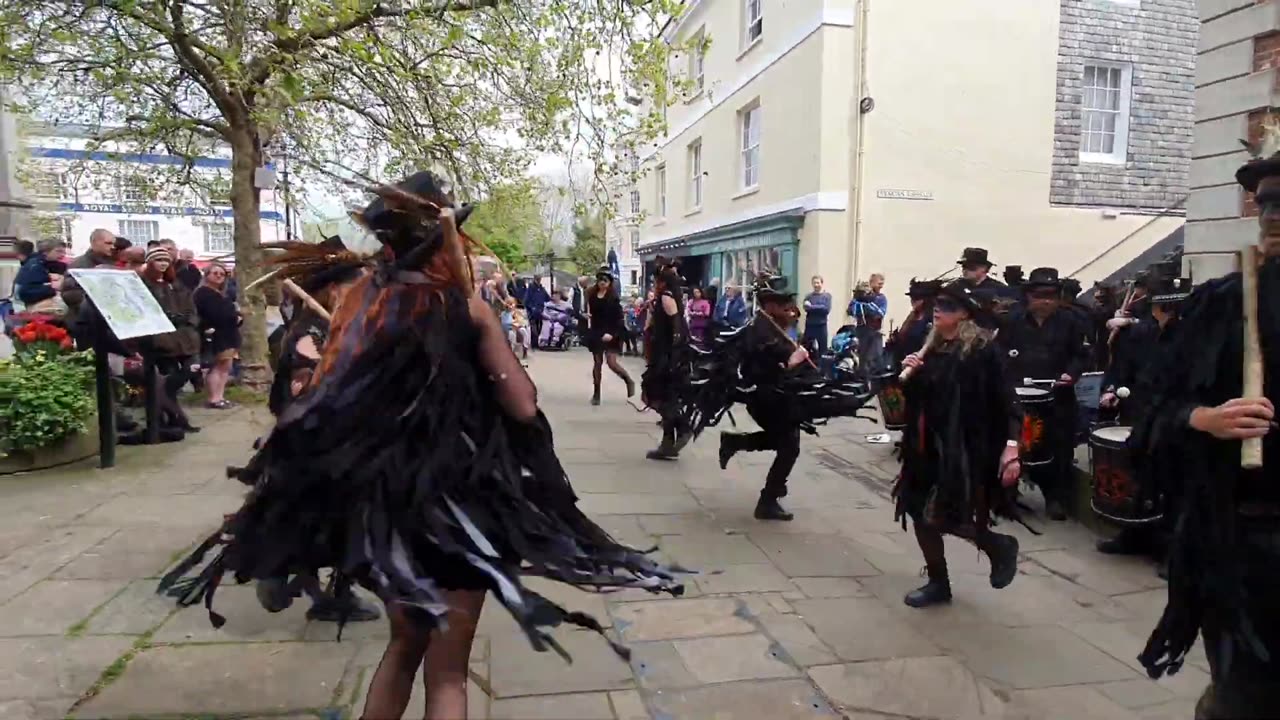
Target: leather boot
x=349, y=607
x=934, y=592
x=768, y=508
x=730, y=444
x=1127, y=542
x=595, y=397
x=666, y=449
x=1002, y=550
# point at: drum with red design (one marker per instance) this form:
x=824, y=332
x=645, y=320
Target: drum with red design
x=1117, y=493
x=1037, y=419
x=893, y=404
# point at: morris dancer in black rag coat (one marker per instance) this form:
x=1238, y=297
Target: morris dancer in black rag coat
x=606, y=329
x=667, y=355
x=1224, y=567
x=418, y=464
x=960, y=446
x=910, y=336
x=323, y=271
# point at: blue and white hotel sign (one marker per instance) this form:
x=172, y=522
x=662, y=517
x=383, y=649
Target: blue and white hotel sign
x=120, y=209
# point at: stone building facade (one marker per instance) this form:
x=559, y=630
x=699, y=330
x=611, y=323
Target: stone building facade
x=1237, y=89
x=1125, y=103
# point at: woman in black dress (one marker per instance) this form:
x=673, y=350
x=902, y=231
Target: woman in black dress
x=220, y=322
x=416, y=463
x=605, y=332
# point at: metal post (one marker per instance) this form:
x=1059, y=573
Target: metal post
x=106, y=406
x=151, y=381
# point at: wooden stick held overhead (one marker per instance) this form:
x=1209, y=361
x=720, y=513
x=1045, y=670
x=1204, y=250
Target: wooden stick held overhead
x=1251, y=449
x=305, y=297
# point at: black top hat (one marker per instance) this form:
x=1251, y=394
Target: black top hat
x=1043, y=277
x=604, y=273
x=1071, y=287
x=974, y=256
x=1013, y=274
x=333, y=242
x=1167, y=290
x=924, y=288
x=770, y=287
x=1164, y=269
x=962, y=292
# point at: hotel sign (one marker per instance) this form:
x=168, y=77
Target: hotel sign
x=904, y=195
x=120, y=209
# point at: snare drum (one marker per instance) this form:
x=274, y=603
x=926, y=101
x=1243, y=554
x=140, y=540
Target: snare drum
x=1117, y=494
x=893, y=404
x=1037, y=418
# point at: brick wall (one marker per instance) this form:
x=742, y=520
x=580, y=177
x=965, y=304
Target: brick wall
x=1158, y=40
x=1250, y=208
x=1266, y=52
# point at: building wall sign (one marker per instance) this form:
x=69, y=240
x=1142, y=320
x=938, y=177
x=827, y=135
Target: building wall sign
x=904, y=194
x=119, y=209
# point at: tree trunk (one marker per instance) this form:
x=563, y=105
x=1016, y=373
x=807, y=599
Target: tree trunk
x=246, y=157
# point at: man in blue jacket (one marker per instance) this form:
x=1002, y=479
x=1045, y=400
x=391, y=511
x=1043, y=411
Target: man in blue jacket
x=868, y=308
x=34, y=283
x=731, y=310
x=535, y=299
x=817, y=307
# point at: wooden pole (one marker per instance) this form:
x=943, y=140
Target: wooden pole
x=1251, y=449
x=305, y=297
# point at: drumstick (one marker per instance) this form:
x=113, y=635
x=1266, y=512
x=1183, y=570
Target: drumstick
x=1251, y=449
x=929, y=342
x=302, y=295
x=1128, y=299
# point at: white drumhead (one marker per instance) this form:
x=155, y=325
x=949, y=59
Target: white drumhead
x=1031, y=392
x=1115, y=433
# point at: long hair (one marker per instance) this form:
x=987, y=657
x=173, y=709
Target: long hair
x=969, y=336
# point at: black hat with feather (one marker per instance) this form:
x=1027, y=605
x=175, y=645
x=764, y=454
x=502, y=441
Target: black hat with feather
x=405, y=216
x=315, y=265
x=770, y=287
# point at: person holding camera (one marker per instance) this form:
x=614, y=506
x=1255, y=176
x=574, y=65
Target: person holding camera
x=868, y=309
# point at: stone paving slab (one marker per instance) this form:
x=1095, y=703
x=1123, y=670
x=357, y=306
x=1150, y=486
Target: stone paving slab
x=133, y=552
x=255, y=678
x=136, y=610
x=1003, y=654
x=54, y=607
x=776, y=700
x=246, y=620
x=932, y=687
x=517, y=670
x=55, y=669
x=733, y=657
x=862, y=629
x=586, y=706
x=814, y=555
x=676, y=619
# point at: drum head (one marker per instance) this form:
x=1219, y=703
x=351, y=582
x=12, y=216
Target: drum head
x=1114, y=434
x=1030, y=392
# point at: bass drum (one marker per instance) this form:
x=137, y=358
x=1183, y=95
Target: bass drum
x=1117, y=494
x=1037, y=419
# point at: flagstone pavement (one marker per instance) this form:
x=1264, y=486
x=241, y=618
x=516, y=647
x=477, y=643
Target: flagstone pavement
x=789, y=621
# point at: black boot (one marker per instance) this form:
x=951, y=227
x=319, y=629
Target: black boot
x=631, y=385
x=1002, y=550
x=768, y=508
x=331, y=608
x=1128, y=542
x=730, y=444
x=666, y=449
x=274, y=594
x=934, y=592
x=1054, y=510
x=595, y=396
x=684, y=436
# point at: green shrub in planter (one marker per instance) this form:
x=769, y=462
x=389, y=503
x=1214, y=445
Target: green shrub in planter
x=44, y=398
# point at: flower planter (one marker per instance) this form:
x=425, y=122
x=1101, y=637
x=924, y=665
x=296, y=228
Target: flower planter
x=73, y=448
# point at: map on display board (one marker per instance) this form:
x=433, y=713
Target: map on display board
x=124, y=301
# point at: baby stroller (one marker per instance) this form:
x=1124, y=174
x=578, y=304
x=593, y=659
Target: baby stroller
x=558, y=325
x=841, y=363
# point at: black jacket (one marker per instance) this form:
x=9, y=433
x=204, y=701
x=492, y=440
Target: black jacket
x=1043, y=351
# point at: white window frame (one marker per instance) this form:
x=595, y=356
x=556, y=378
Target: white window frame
x=221, y=248
x=635, y=201
x=1120, y=144
x=635, y=240
x=660, y=179
x=752, y=22
x=696, y=186
x=131, y=229
x=749, y=129
x=698, y=63
x=131, y=191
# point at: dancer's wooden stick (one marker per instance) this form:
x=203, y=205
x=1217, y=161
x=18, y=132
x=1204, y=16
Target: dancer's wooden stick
x=778, y=327
x=1251, y=449
x=1128, y=300
x=305, y=297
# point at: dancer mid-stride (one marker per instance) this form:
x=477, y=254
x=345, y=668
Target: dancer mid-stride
x=607, y=326
x=960, y=446
x=666, y=349
x=417, y=463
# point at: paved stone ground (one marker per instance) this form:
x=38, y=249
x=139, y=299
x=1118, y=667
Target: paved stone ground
x=785, y=621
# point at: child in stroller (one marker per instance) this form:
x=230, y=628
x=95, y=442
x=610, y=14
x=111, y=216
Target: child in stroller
x=844, y=353
x=557, y=323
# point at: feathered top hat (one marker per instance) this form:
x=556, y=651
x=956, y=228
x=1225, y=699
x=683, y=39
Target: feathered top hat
x=961, y=291
x=315, y=265
x=1013, y=275
x=974, y=256
x=668, y=271
x=1266, y=154
x=1168, y=290
x=923, y=288
x=771, y=288
x=1071, y=288
x=405, y=216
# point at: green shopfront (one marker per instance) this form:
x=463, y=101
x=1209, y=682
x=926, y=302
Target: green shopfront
x=734, y=253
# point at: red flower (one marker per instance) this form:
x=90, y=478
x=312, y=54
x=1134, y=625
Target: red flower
x=56, y=334
x=66, y=343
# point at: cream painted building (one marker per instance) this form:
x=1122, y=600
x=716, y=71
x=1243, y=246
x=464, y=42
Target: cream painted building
x=846, y=137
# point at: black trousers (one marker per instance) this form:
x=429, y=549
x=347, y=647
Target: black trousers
x=1247, y=688
x=815, y=339
x=779, y=435
x=1055, y=478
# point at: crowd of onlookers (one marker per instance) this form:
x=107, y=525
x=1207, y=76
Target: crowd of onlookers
x=199, y=302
